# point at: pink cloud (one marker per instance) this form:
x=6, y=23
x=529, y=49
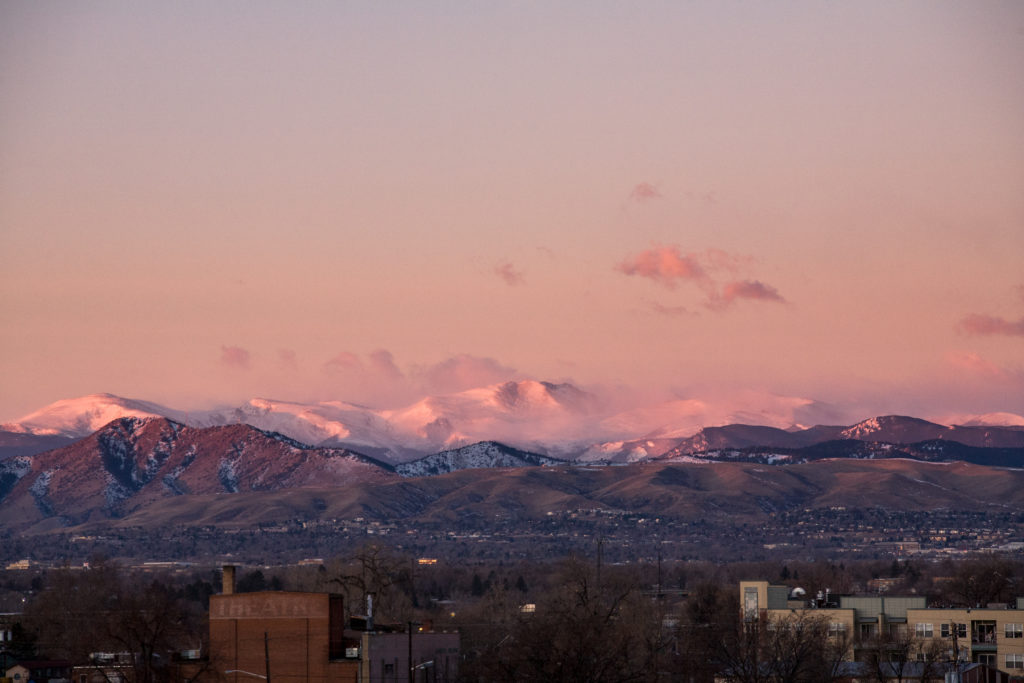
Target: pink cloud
x=509, y=274
x=234, y=357
x=343, y=361
x=975, y=364
x=979, y=324
x=665, y=265
x=464, y=372
x=750, y=289
x=643, y=192
x=382, y=363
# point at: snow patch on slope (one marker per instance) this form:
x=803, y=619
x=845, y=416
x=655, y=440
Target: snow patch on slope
x=477, y=456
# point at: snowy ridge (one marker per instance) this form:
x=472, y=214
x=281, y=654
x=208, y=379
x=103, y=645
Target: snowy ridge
x=560, y=421
x=488, y=454
x=984, y=420
x=78, y=417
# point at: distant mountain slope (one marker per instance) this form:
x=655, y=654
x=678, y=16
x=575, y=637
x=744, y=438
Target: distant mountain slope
x=728, y=490
x=933, y=450
x=23, y=443
x=131, y=462
x=890, y=429
x=486, y=454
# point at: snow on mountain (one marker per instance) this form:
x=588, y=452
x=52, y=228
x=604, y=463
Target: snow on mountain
x=558, y=420
x=552, y=418
x=133, y=461
x=984, y=420
x=330, y=423
x=476, y=456
x=896, y=428
x=78, y=417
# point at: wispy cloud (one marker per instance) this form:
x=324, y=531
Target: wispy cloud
x=378, y=379
x=234, y=357
x=344, y=360
x=508, y=273
x=976, y=365
x=462, y=372
x=669, y=266
x=382, y=363
x=643, y=192
x=986, y=325
x=750, y=289
x=666, y=265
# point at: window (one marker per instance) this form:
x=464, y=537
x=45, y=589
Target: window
x=1013, y=630
x=868, y=630
x=1015, y=661
x=749, y=603
x=924, y=630
x=836, y=628
x=946, y=630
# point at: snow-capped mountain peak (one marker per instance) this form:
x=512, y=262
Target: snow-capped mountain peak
x=78, y=417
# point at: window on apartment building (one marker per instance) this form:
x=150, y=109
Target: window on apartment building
x=924, y=630
x=868, y=630
x=1013, y=631
x=836, y=628
x=946, y=630
x=1015, y=661
x=749, y=603
x=897, y=630
x=986, y=658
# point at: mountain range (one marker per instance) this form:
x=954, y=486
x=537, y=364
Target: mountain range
x=153, y=472
x=560, y=421
x=143, y=461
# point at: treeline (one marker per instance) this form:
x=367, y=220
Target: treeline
x=574, y=619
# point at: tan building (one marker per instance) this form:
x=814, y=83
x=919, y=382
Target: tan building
x=994, y=637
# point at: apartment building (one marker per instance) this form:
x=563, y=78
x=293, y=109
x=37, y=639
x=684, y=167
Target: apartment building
x=993, y=636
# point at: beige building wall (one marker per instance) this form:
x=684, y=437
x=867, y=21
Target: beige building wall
x=987, y=635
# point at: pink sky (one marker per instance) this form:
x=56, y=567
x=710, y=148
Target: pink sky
x=205, y=202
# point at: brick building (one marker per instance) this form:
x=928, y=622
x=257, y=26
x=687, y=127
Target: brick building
x=293, y=636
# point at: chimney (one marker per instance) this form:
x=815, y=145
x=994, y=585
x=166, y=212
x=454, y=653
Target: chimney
x=228, y=580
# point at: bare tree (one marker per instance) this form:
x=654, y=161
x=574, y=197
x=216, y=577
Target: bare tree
x=104, y=610
x=585, y=630
x=789, y=649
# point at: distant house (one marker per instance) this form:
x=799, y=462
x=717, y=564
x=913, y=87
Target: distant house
x=40, y=671
x=105, y=667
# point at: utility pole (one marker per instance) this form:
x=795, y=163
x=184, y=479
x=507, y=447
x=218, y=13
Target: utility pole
x=266, y=654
